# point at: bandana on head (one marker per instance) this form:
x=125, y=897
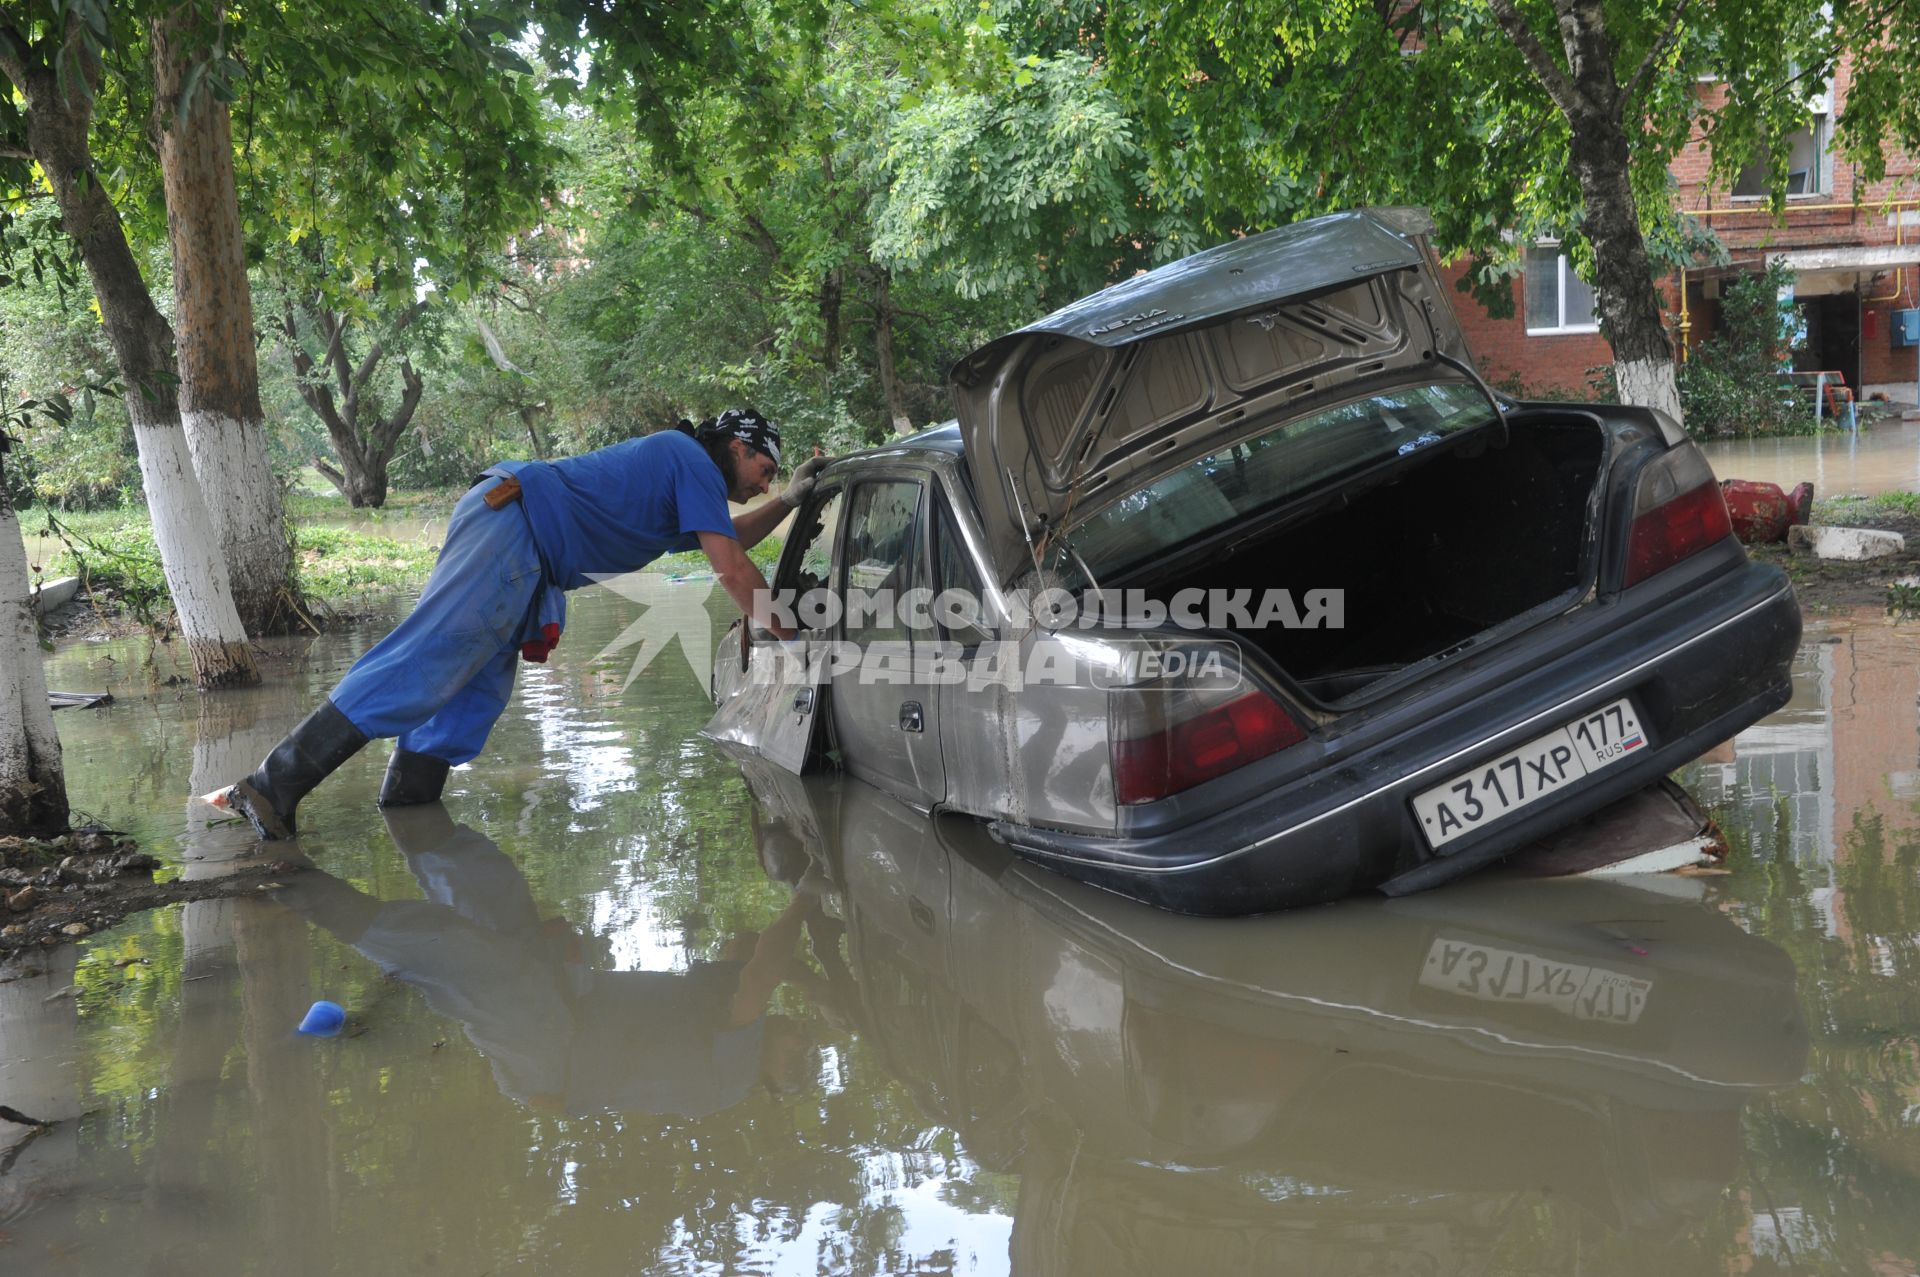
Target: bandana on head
x=746, y=425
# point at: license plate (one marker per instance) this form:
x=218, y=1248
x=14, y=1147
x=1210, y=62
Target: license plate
x=1543, y=766
x=1492, y=974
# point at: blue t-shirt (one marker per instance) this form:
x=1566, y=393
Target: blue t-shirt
x=619, y=508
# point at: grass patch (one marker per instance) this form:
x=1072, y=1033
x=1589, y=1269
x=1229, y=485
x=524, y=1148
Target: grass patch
x=1859, y=509
x=764, y=556
x=111, y=551
x=341, y=566
x=430, y=504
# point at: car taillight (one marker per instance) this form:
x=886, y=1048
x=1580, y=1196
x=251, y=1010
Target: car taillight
x=1677, y=512
x=1169, y=739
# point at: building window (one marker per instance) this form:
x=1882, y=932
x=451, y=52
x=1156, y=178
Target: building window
x=1557, y=299
x=1806, y=157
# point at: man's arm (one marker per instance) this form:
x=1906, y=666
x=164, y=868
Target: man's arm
x=752, y=526
x=742, y=580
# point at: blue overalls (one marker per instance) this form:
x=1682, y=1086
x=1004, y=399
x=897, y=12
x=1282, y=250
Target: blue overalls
x=441, y=679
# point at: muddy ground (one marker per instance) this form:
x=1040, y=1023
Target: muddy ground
x=58, y=889
x=1826, y=588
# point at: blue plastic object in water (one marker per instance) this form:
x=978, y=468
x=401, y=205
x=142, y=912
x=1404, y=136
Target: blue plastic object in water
x=323, y=1019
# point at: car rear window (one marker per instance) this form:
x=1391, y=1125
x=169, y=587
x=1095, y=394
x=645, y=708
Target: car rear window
x=1245, y=478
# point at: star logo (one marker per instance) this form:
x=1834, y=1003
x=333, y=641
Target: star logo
x=676, y=607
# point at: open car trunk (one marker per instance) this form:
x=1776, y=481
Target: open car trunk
x=1438, y=553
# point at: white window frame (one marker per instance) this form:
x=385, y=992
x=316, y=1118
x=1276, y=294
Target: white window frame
x=1562, y=327
x=1820, y=132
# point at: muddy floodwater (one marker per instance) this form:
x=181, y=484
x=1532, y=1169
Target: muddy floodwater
x=1884, y=458
x=622, y=1006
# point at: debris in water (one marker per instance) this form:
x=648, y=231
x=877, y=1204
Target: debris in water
x=323, y=1019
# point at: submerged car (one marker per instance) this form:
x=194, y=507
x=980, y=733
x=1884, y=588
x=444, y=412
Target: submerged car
x=1272, y=599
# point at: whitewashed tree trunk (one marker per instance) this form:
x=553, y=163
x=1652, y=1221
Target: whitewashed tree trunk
x=213, y=325
x=191, y=556
x=230, y=460
x=58, y=122
x=1600, y=138
x=1649, y=383
x=33, y=786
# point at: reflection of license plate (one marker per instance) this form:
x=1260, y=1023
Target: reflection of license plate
x=1508, y=975
x=1540, y=767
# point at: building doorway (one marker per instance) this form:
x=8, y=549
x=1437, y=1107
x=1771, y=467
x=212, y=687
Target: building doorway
x=1833, y=336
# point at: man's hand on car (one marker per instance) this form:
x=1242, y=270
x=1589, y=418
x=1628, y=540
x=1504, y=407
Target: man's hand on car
x=805, y=475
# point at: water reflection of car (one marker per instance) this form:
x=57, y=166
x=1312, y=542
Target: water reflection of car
x=1544, y=608
x=1431, y=1084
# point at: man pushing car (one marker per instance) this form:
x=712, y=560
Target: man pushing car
x=525, y=534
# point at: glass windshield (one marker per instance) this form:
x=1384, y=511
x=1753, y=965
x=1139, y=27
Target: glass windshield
x=1245, y=478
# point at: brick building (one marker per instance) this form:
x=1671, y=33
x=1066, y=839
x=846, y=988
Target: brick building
x=1854, y=245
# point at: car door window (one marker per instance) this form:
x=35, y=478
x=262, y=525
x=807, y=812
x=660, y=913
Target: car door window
x=882, y=555
x=817, y=528
x=957, y=587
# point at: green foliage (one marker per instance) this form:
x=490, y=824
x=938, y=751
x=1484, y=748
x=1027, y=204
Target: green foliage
x=1286, y=110
x=1732, y=384
x=1027, y=182
x=112, y=553
x=52, y=350
x=367, y=163
x=339, y=566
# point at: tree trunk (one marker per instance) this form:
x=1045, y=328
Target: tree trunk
x=364, y=452
x=830, y=336
x=1601, y=154
x=529, y=417
x=883, y=353
x=213, y=317
x=1624, y=290
x=57, y=124
x=362, y=483
x=33, y=786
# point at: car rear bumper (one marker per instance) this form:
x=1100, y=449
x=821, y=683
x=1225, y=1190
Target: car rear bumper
x=1698, y=670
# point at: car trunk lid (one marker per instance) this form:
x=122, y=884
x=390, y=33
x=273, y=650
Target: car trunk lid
x=1130, y=383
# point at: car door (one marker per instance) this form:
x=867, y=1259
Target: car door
x=768, y=692
x=973, y=713
x=883, y=704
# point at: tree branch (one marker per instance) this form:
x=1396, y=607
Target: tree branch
x=302, y=361
x=15, y=54
x=333, y=476
x=335, y=358
x=1656, y=52
x=1539, y=61
x=312, y=393
x=321, y=402
x=379, y=347
x=85, y=57
x=409, y=400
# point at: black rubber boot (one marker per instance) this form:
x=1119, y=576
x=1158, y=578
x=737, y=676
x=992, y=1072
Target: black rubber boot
x=308, y=755
x=413, y=779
